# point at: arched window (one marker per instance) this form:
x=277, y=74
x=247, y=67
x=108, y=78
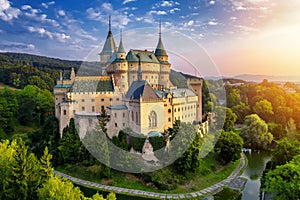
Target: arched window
x=152, y=119
x=136, y=118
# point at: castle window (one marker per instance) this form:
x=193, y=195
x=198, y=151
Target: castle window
x=169, y=99
x=118, y=64
x=136, y=118
x=169, y=110
x=102, y=107
x=117, y=99
x=169, y=119
x=133, y=77
x=146, y=77
x=130, y=64
x=115, y=115
x=152, y=119
x=123, y=115
x=65, y=112
x=82, y=100
x=93, y=108
x=102, y=99
x=123, y=124
x=132, y=116
x=83, y=108
x=175, y=110
x=178, y=109
x=116, y=125
x=110, y=99
x=123, y=76
x=93, y=100
x=123, y=86
x=152, y=77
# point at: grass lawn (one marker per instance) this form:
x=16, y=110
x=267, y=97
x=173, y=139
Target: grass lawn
x=211, y=172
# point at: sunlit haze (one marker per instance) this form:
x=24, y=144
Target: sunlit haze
x=240, y=36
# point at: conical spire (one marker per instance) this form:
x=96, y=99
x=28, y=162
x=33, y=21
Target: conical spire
x=109, y=45
x=160, y=49
x=121, y=47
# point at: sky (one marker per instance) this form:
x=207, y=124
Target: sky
x=217, y=37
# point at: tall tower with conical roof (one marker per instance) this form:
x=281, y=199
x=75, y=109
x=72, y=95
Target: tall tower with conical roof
x=109, y=47
x=165, y=66
x=160, y=51
x=121, y=54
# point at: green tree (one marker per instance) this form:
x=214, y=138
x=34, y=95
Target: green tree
x=264, y=109
x=230, y=119
x=60, y=189
x=229, y=147
x=255, y=133
x=71, y=147
x=291, y=130
x=241, y=110
x=284, y=181
x=190, y=160
x=284, y=152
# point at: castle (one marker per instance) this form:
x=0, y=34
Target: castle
x=134, y=89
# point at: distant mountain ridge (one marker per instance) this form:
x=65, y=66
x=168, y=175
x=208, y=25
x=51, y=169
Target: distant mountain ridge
x=257, y=78
x=260, y=78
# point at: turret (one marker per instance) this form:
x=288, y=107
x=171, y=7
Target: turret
x=160, y=51
x=109, y=47
x=121, y=54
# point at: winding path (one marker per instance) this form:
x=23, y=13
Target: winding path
x=201, y=193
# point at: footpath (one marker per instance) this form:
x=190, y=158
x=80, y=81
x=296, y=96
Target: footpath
x=232, y=181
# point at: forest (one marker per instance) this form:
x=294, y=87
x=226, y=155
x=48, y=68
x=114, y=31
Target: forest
x=260, y=116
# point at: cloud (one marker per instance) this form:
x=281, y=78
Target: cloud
x=157, y=12
x=167, y=3
x=8, y=13
x=61, y=13
x=101, y=13
x=190, y=23
x=212, y=2
x=15, y=46
x=47, y=4
x=26, y=7
x=172, y=11
x=127, y=1
x=213, y=22
x=51, y=35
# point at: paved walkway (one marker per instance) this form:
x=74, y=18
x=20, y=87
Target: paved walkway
x=201, y=193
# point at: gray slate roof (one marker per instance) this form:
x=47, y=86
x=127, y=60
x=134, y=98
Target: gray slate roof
x=110, y=45
x=160, y=49
x=140, y=88
x=146, y=56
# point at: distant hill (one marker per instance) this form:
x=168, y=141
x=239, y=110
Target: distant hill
x=38, y=61
x=19, y=67
x=260, y=78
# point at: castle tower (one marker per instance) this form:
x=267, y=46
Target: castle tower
x=119, y=68
x=160, y=51
x=162, y=56
x=121, y=54
x=195, y=83
x=109, y=48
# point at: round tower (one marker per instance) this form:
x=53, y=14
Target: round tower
x=119, y=68
x=162, y=56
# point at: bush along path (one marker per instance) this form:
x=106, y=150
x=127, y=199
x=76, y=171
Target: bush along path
x=233, y=181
